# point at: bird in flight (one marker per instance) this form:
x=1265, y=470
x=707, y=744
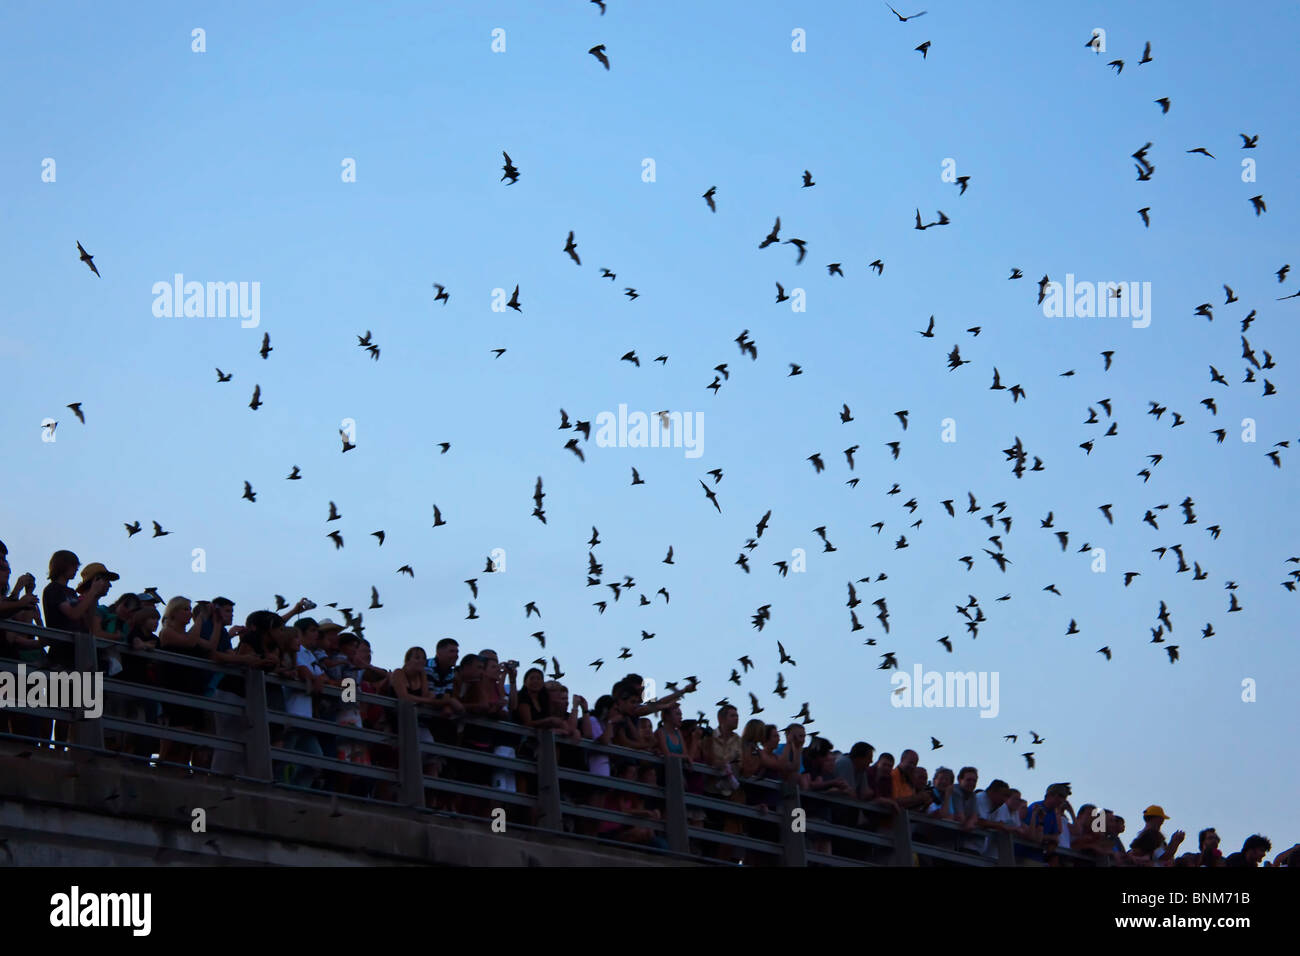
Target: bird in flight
x=904, y=19
x=712, y=496
x=572, y=249
x=708, y=198
x=88, y=259
x=598, y=52
x=511, y=172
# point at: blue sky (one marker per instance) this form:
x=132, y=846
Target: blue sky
x=225, y=166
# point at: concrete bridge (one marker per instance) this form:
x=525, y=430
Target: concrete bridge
x=92, y=801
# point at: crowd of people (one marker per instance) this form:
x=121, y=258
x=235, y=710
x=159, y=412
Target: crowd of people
x=719, y=759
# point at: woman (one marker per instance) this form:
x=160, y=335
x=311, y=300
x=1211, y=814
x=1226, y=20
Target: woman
x=760, y=761
x=1089, y=831
x=597, y=728
x=411, y=682
x=298, y=665
x=671, y=741
x=180, y=634
x=535, y=708
x=137, y=669
x=113, y=623
x=489, y=698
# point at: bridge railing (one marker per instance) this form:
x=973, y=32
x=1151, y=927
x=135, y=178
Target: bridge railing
x=419, y=760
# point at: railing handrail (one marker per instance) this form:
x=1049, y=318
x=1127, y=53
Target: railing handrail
x=549, y=801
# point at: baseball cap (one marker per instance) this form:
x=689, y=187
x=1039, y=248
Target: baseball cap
x=1155, y=811
x=94, y=570
x=325, y=624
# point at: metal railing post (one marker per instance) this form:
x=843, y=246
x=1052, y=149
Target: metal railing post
x=549, y=816
x=257, y=733
x=1006, y=848
x=794, y=849
x=902, y=840
x=410, y=762
x=675, y=806
x=82, y=730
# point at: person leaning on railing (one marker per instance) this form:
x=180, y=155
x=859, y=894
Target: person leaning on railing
x=66, y=610
x=21, y=606
x=722, y=751
x=410, y=682
x=113, y=623
x=181, y=634
x=759, y=760
x=489, y=698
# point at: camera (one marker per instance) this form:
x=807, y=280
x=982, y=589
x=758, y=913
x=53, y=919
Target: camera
x=308, y=604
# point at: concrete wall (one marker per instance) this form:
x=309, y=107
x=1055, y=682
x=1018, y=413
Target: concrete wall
x=65, y=810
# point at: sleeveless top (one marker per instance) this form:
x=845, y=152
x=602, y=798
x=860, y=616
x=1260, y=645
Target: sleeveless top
x=668, y=742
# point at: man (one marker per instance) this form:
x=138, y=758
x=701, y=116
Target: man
x=215, y=629
x=722, y=753
x=1208, y=841
x=1044, y=820
x=328, y=655
x=902, y=788
x=442, y=679
x=854, y=769
x=966, y=809
x=1252, y=852
x=298, y=703
x=995, y=814
x=1149, y=847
